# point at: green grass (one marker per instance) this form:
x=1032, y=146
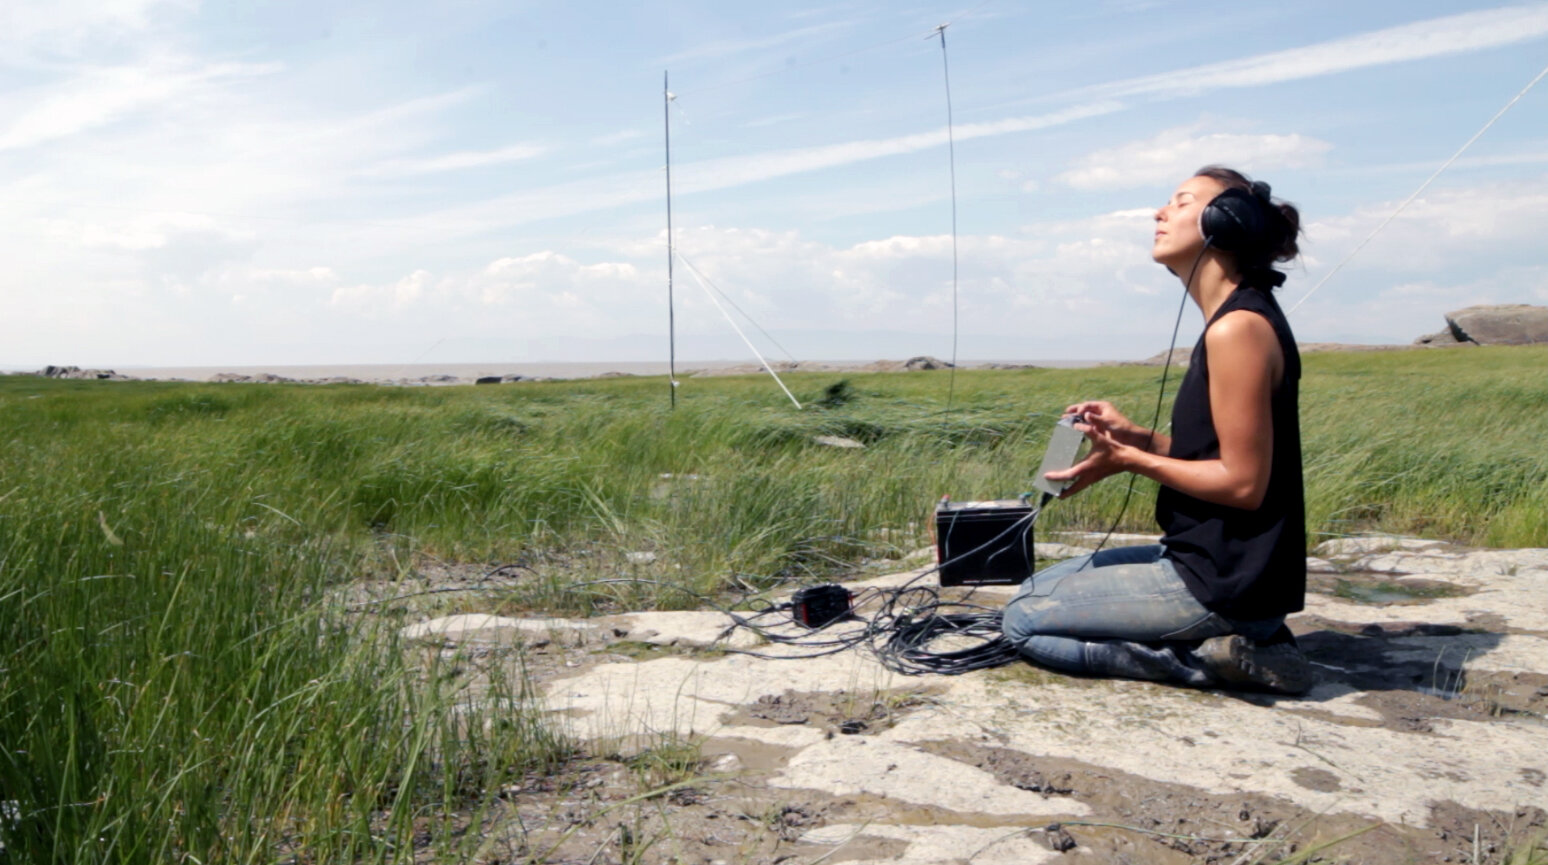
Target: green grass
x=174, y=684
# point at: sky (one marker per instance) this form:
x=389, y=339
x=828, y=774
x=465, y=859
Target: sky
x=187, y=183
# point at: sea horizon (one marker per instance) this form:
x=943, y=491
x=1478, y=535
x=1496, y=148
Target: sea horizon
x=526, y=369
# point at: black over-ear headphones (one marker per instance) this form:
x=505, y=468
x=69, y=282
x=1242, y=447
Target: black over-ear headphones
x=1238, y=221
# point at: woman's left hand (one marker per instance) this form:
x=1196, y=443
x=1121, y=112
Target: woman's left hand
x=1107, y=457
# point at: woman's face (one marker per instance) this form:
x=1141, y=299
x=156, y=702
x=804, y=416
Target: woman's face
x=1177, y=240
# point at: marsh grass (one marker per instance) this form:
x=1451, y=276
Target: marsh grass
x=175, y=684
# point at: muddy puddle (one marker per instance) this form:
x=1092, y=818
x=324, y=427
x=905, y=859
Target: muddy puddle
x=1363, y=587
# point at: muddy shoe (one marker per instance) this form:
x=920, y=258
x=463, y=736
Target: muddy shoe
x=1276, y=666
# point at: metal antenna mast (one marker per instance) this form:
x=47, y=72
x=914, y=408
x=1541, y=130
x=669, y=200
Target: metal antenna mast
x=951, y=149
x=666, y=113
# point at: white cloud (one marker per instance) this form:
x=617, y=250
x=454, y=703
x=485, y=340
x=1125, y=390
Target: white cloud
x=1434, y=37
x=460, y=160
x=65, y=27
x=1176, y=153
x=1445, y=226
x=582, y=196
x=725, y=47
x=1450, y=249
x=737, y=170
x=96, y=97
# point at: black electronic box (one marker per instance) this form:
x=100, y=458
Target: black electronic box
x=984, y=543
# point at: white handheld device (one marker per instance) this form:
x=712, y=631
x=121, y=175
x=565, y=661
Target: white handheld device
x=1063, y=452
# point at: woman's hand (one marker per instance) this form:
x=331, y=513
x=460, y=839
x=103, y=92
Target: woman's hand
x=1109, y=455
x=1106, y=416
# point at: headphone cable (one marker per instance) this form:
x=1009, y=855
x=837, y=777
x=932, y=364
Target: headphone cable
x=1160, y=398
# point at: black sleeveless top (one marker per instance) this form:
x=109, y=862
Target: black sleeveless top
x=1239, y=563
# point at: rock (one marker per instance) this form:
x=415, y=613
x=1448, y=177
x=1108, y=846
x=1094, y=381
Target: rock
x=499, y=630
x=487, y=379
x=689, y=629
x=837, y=442
x=925, y=361
x=260, y=378
x=1315, y=565
x=1056, y=838
x=1501, y=324
x=75, y=372
x=1375, y=544
x=644, y=557
x=510, y=377
x=981, y=748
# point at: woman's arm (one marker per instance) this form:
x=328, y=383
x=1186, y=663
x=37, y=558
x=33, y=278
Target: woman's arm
x=1244, y=362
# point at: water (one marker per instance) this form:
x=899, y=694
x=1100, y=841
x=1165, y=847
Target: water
x=1374, y=589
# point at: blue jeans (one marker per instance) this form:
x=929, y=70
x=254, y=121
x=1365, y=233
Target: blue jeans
x=1120, y=612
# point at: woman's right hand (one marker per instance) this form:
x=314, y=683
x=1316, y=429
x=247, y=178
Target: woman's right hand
x=1105, y=416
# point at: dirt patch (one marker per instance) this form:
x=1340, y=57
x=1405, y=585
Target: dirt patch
x=598, y=811
x=1469, y=835
x=1313, y=778
x=837, y=712
x=1135, y=819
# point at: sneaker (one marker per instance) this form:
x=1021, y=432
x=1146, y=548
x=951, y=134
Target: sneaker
x=1276, y=666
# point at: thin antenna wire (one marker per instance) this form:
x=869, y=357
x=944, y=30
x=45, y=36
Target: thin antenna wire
x=750, y=320
x=1422, y=187
x=694, y=272
x=666, y=113
x=951, y=150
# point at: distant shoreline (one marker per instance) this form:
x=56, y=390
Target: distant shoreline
x=493, y=372
x=469, y=373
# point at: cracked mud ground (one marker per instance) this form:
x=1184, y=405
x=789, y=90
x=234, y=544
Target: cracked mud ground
x=1425, y=741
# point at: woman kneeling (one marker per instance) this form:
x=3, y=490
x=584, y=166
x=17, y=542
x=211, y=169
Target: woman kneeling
x=1206, y=606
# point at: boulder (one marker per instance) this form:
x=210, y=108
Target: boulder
x=487, y=379
x=75, y=372
x=1500, y=324
x=925, y=361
